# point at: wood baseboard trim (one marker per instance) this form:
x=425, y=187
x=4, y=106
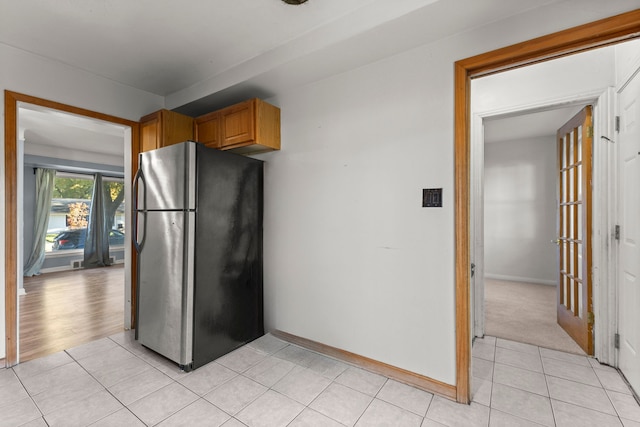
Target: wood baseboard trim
x=398, y=374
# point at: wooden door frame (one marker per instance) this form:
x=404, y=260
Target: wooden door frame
x=567, y=42
x=11, y=100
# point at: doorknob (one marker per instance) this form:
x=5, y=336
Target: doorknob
x=557, y=242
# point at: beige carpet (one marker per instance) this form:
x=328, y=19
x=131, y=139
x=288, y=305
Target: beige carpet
x=525, y=312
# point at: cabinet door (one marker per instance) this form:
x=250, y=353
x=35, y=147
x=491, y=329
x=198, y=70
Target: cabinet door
x=150, y=132
x=208, y=129
x=164, y=128
x=238, y=124
x=175, y=128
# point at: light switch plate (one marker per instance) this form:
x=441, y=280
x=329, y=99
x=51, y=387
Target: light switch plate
x=432, y=198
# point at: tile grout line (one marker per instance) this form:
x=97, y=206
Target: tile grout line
x=491, y=380
x=172, y=381
x=606, y=391
x=546, y=382
x=29, y=395
x=307, y=368
x=374, y=398
x=175, y=381
x=544, y=373
x=600, y=387
x=332, y=381
x=585, y=407
x=104, y=387
x=242, y=374
x=281, y=379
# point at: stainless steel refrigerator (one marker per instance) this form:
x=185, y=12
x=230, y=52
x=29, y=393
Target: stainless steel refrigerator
x=198, y=236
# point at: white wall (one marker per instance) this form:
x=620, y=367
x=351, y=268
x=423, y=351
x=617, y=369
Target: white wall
x=520, y=210
x=627, y=60
x=25, y=73
x=351, y=259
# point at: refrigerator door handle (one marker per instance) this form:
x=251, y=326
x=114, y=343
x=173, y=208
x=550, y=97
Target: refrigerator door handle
x=139, y=177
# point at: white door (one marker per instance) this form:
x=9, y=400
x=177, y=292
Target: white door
x=629, y=270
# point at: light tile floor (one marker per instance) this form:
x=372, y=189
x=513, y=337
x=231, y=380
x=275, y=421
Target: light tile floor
x=116, y=382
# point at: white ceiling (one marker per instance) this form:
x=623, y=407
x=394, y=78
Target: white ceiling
x=528, y=125
x=53, y=133
x=201, y=53
x=164, y=46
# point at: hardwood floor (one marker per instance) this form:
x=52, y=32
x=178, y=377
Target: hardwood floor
x=65, y=309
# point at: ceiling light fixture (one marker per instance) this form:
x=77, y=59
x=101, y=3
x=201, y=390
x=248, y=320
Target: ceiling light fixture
x=294, y=1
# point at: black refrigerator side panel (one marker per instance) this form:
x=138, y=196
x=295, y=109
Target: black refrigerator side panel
x=228, y=295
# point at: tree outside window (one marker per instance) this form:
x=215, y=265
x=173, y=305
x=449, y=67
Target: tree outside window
x=71, y=204
x=115, y=189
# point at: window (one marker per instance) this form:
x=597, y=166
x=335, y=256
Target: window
x=70, y=207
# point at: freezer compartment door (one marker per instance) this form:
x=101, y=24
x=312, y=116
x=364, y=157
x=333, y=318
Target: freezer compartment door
x=169, y=178
x=165, y=283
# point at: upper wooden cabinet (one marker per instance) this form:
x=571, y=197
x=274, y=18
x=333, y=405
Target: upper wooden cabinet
x=207, y=129
x=164, y=128
x=252, y=126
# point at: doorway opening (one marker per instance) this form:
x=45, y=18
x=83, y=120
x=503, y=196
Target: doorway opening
x=15, y=104
x=506, y=107
x=558, y=45
x=520, y=229
x=62, y=305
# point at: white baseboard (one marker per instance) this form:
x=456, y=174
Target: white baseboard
x=68, y=267
x=521, y=279
x=55, y=269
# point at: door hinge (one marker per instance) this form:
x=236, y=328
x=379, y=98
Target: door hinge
x=591, y=318
x=616, y=341
x=590, y=132
x=616, y=232
x=473, y=269
x=617, y=123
